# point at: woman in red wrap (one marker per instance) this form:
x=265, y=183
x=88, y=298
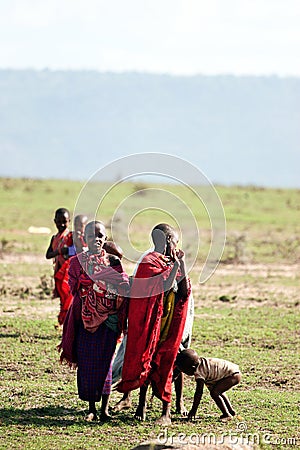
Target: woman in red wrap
x=156, y=318
x=96, y=318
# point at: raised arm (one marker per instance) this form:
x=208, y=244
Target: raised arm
x=168, y=283
x=183, y=283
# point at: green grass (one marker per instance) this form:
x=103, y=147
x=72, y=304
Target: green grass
x=262, y=224
x=40, y=408
x=247, y=312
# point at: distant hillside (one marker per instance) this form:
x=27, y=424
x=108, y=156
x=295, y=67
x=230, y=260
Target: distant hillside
x=238, y=130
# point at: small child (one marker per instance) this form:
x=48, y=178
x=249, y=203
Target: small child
x=59, y=251
x=58, y=248
x=78, y=244
x=218, y=375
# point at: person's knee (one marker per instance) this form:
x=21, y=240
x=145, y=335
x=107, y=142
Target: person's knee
x=236, y=378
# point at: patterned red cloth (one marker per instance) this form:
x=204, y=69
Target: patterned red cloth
x=91, y=352
x=74, y=316
x=145, y=357
x=102, y=292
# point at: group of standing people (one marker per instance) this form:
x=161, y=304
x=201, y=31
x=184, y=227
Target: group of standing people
x=151, y=312
x=99, y=303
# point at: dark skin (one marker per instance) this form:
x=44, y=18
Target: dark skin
x=62, y=222
x=80, y=222
x=166, y=245
x=217, y=390
x=113, y=249
x=178, y=378
x=95, y=237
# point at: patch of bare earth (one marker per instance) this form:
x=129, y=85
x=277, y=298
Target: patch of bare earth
x=249, y=285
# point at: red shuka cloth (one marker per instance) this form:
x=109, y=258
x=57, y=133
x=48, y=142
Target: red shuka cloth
x=61, y=278
x=145, y=358
x=74, y=316
x=60, y=240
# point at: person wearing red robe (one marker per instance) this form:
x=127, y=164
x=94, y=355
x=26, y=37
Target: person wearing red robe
x=96, y=318
x=156, y=318
x=59, y=251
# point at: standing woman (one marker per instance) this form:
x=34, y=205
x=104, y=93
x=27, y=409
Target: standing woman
x=96, y=318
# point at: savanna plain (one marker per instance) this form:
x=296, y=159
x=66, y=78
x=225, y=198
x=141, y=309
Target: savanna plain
x=247, y=311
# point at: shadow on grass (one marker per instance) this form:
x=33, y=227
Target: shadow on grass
x=58, y=417
x=9, y=335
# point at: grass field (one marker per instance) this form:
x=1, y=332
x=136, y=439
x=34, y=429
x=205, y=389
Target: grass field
x=247, y=312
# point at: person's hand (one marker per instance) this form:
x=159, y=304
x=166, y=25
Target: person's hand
x=64, y=251
x=173, y=255
x=180, y=254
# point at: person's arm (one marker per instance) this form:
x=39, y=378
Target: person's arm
x=168, y=283
x=179, y=263
x=197, y=399
x=50, y=253
x=183, y=283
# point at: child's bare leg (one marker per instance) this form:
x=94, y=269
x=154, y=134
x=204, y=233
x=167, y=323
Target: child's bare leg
x=124, y=403
x=104, y=415
x=92, y=414
x=228, y=404
x=165, y=418
x=140, y=413
x=217, y=394
x=178, y=383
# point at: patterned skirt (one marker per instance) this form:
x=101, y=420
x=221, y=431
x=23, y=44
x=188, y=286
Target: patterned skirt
x=94, y=352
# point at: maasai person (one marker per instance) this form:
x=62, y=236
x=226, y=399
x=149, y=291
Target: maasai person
x=96, y=318
x=156, y=318
x=217, y=374
x=79, y=244
x=178, y=376
x=59, y=251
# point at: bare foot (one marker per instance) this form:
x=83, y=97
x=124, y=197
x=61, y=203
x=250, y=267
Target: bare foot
x=91, y=417
x=164, y=420
x=140, y=413
x=225, y=417
x=104, y=417
x=123, y=404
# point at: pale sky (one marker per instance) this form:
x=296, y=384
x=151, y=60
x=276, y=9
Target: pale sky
x=256, y=37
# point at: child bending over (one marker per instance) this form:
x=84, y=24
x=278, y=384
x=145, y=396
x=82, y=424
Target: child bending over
x=219, y=376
